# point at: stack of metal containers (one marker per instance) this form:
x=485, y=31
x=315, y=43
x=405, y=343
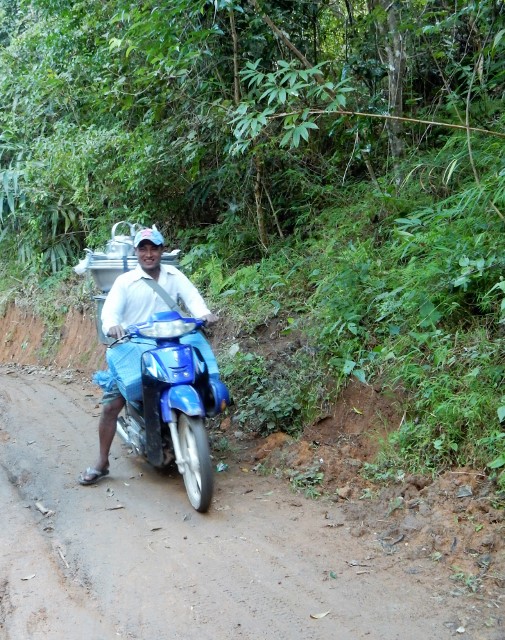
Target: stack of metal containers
x=118, y=257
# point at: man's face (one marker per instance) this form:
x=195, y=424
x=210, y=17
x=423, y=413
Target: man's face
x=149, y=255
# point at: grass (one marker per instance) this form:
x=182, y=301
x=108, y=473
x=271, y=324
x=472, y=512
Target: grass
x=411, y=301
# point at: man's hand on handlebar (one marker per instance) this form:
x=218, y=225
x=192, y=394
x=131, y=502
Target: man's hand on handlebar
x=210, y=319
x=116, y=332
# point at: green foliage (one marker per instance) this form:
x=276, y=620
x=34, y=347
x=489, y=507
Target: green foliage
x=469, y=581
x=87, y=166
x=416, y=300
x=268, y=396
x=307, y=481
x=285, y=88
x=494, y=445
x=86, y=138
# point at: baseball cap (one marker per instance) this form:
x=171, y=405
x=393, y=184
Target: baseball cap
x=153, y=235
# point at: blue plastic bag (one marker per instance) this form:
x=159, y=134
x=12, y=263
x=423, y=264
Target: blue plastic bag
x=104, y=379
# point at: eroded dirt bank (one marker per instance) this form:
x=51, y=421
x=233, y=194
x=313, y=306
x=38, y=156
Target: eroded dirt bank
x=24, y=340
x=128, y=558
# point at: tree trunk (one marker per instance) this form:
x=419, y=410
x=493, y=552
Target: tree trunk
x=236, y=78
x=394, y=47
x=260, y=212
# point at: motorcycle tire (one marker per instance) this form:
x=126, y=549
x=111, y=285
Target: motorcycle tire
x=197, y=475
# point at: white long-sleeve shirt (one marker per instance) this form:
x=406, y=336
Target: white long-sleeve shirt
x=132, y=300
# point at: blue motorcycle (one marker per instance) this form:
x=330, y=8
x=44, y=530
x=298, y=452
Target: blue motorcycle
x=167, y=372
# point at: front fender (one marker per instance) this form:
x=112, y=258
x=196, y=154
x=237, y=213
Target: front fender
x=183, y=398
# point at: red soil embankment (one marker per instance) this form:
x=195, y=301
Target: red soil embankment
x=23, y=341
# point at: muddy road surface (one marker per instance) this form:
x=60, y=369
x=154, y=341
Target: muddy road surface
x=129, y=558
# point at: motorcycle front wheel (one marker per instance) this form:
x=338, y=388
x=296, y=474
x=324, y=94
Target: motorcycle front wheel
x=197, y=474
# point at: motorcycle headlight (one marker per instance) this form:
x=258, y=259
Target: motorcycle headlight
x=172, y=329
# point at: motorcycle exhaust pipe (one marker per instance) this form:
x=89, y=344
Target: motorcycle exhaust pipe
x=121, y=430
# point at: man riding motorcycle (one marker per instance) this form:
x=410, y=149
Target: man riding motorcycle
x=132, y=300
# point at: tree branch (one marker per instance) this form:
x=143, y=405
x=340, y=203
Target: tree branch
x=385, y=116
x=282, y=36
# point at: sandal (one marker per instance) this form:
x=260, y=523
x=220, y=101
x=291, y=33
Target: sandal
x=92, y=476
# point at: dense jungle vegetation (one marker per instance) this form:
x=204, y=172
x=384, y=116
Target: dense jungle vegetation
x=335, y=167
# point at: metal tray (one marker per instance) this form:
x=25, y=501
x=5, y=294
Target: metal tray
x=104, y=270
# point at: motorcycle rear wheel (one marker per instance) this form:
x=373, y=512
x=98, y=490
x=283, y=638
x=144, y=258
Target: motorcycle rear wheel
x=197, y=475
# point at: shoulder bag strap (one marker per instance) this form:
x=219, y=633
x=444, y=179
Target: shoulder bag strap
x=155, y=286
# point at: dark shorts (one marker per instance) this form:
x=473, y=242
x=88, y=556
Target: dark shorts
x=111, y=395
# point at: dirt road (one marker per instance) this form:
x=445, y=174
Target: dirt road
x=129, y=558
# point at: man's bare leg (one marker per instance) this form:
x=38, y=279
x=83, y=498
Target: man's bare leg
x=106, y=432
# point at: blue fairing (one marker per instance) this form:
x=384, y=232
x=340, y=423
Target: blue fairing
x=181, y=398
x=198, y=340
x=173, y=364
x=218, y=399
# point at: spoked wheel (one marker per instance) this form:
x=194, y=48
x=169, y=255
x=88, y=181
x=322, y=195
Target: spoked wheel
x=195, y=451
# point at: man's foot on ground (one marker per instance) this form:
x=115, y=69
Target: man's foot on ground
x=92, y=476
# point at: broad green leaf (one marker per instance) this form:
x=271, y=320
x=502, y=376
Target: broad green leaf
x=498, y=38
x=348, y=367
x=268, y=92
x=353, y=328
x=302, y=129
x=274, y=93
x=497, y=462
x=408, y=222
x=286, y=138
x=499, y=285
x=450, y=170
x=429, y=314
x=360, y=375
x=115, y=43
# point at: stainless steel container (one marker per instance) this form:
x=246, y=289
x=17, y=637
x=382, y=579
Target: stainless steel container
x=105, y=269
x=120, y=246
x=99, y=300
x=105, y=266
